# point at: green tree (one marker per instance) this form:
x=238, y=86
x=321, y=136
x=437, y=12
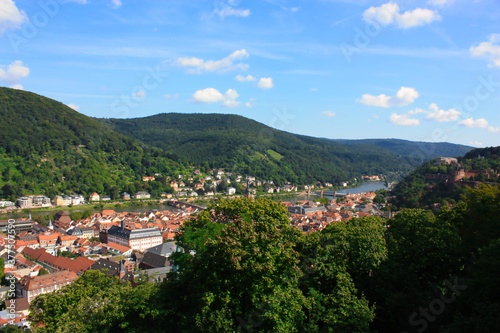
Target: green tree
x=423, y=252
x=334, y=259
x=96, y=302
x=245, y=278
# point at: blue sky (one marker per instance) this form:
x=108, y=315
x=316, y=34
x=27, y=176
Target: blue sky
x=415, y=70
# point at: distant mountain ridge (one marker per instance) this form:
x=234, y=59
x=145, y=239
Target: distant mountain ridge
x=416, y=149
x=249, y=147
x=48, y=148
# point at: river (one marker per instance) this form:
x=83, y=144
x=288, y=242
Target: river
x=365, y=187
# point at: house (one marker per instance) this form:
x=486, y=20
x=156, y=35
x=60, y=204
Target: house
x=94, y=197
x=30, y=288
x=125, y=196
x=142, y=195
x=48, y=241
x=123, y=270
x=19, y=225
x=62, y=200
x=164, y=249
x=116, y=249
x=77, y=266
x=137, y=239
x=153, y=260
x=231, y=190
x=148, y=179
x=67, y=241
x=33, y=201
x=62, y=216
x=81, y=232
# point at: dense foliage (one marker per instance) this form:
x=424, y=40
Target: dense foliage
x=246, y=270
x=245, y=146
x=48, y=148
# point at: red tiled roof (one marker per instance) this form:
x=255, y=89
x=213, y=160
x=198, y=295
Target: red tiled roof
x=118, y=247
x=37, y=282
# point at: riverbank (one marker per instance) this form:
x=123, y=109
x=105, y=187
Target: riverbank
x=148, y=204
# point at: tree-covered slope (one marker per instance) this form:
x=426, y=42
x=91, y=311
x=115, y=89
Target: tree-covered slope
x=248, y=147
x=48, y=148
x=415, y=191
x=415, y=149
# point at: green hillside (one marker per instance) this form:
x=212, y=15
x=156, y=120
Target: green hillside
x=416, y=150
x=245, y=146
x=48, y=148
x=416, y=191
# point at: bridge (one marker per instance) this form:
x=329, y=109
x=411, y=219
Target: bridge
x=184, y=205
x=332, y=194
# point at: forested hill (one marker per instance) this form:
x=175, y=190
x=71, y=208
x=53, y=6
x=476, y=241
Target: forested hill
x=416, y=149
x=248, y=147
x=47, y=147
x=416, y=191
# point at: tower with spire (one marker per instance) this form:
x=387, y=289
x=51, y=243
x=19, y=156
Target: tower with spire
x=50, y=225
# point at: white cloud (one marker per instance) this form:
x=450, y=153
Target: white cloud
x=265, y=83
x=212, y=95
x=197, y=66
x=470, y=122
x=494, y=129
x=328, y=113
x=116, y=3
x=228, y=11
x=232, y=94
x=247, y=78
x=314, y=89
x=491, y=48
x=476, y=143
x=208, y=95
x=17, y=86
x=384, y=14
x=294, y=9
x=74, y=107
x=14, y=73
x=403, y=120
x=389, y=13
x=380, y=100
x=10, y=16
x=441, y=115
x=417, y=17
x=403, y=97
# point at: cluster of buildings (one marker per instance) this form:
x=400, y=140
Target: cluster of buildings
x=215, y=182
x=460, y=175
x=310, y=216
x=41, y=259
x=129, y=245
